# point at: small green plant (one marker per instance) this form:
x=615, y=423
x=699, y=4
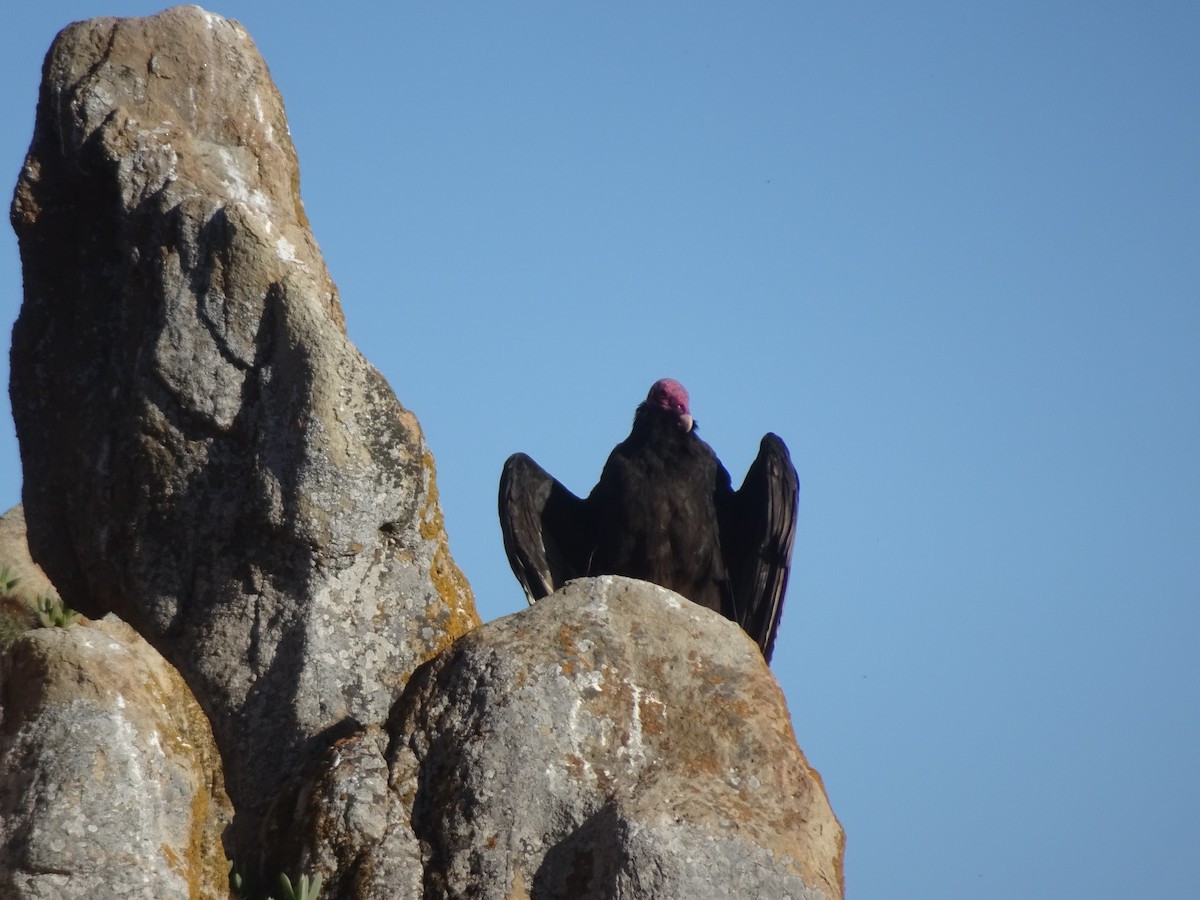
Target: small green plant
x=245, y=884
x=246, y=881
x=8, y=582
x=237, y=884
x=53, y=613
x=304, y=889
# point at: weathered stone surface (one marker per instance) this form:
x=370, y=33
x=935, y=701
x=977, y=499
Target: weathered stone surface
x=14, y=556
x=205, y=453
x=24, y=579
x=612, y=741
x=111, y=780
x=341, y=818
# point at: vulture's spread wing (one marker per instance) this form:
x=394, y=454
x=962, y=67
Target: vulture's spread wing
x=546, y=527
x=758, y=524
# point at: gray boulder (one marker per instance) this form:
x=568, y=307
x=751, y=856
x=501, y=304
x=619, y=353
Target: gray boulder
x=205, y=453
x=112, y=782
x=612, y=741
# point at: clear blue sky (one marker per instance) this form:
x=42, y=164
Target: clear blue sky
x=949, y=251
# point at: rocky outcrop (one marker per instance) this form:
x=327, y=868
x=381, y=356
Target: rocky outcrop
x=112, y=782
x=205, y=453
x=614, y=740
x=209, y=458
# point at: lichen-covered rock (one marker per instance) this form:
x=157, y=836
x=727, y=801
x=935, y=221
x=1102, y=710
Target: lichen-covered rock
x=612, y=741
x=205, y=453
x=111, y=780
x=340, y=818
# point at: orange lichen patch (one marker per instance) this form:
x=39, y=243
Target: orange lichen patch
x=448, y=580
x=737, y=708
x=518, y=891
x=566, y=640
x=297, y=203
x=195, y=847
x=705, y=761
x=653, y=715
x=569, y=646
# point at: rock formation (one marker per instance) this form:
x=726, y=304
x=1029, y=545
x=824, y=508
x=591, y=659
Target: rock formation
x=112, y=783
x=207, y=457
x=614, y=740
x=205, y=453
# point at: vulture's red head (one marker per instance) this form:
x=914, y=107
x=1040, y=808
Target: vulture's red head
x=670, y=396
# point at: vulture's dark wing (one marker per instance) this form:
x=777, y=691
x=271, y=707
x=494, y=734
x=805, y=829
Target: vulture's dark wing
x=758, y=524
x=546, y=527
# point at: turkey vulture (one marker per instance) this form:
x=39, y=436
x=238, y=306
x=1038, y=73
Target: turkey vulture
x=664, y=511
